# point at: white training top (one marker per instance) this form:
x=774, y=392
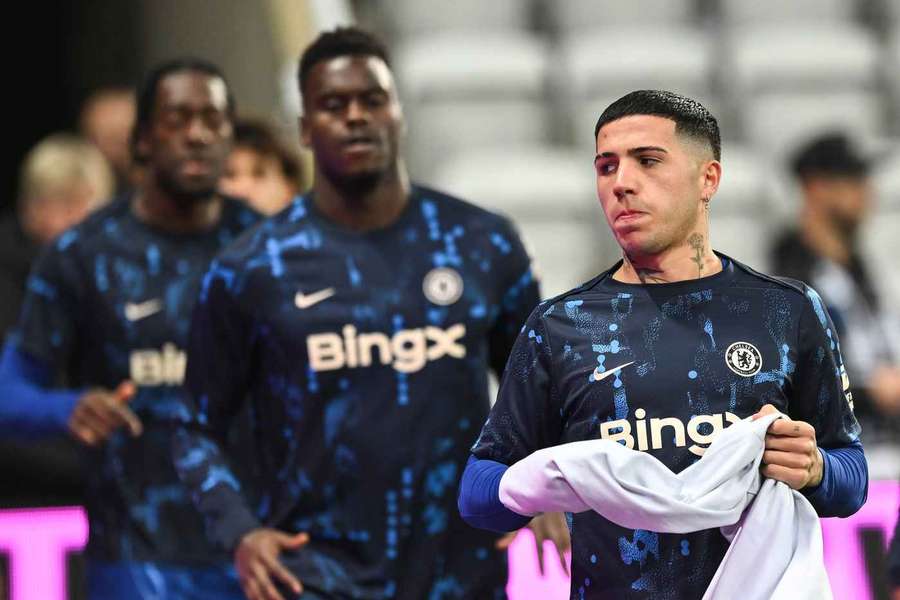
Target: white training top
x=776, y=540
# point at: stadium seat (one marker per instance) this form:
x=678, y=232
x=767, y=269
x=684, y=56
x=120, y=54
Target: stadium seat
x=890, y=9
x=470, y=66
x=637, y=58
x=598, y=67
x=777, y=11
x=776, y=123
x=535, y=182
x=578, y=15
x=891, y=71
x=413, y=17
x=800, y=57
x=741, y=216
x=471, y=90
x=441, y=129
x=549, y=194
x=567, y=253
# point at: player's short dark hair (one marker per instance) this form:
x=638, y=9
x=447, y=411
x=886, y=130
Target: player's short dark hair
x=832, y=154
x=692, y=119
x=146, y=99
x=259, y=137
x=341, y=41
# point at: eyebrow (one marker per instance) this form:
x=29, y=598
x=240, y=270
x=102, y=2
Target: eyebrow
x=633, y=152
x=351, y=91
x=186, y=106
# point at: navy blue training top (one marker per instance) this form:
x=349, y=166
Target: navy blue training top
x=662, y=369
x=111, y=300
x=365, y=359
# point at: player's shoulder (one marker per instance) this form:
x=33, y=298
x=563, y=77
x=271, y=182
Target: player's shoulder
x=449, y=207
x=799, y=293
x=569, y=300
x=747, y=276
x=237, y=215
x=257, y=232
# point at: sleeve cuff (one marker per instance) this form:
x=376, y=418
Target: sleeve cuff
x=844, y=484
x=60, y=405
x=479, y=498
x=237, y=523
x=817, y=494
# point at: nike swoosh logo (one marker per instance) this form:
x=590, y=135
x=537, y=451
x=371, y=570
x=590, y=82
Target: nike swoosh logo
x=142, y=310
x=598, y=374
x=306, y=300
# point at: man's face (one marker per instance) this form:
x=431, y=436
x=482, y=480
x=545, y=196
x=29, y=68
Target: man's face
x=651, y=183
x=352, y=119
x=189, y=136
x=259, y=179
x=845, y=199
x=107, y=124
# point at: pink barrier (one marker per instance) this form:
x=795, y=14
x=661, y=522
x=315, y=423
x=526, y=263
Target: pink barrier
x=525, y=579
x=36, y=541
x=843, y=554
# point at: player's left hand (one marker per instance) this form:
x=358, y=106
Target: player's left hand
x=791, y=453
x=547, y=526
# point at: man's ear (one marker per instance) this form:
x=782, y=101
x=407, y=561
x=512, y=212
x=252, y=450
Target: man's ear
x=711, y=176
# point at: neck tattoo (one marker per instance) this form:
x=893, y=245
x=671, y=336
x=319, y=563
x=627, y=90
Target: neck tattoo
x=696, y=242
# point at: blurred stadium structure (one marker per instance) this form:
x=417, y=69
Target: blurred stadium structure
x=502, y=98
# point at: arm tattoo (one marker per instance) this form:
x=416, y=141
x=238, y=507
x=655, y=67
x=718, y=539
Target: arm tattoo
x=696, y=242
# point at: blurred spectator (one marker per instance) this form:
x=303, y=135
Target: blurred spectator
x=62, y=179
x=824, y=252
x=261, y=168
x=106, y=120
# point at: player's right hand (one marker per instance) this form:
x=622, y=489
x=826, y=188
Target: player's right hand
x=256, y=561
x=547, y=526
x=100, y=412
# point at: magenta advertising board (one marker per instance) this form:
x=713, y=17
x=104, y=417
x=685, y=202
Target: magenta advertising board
x=36, y=541
x=843, y=552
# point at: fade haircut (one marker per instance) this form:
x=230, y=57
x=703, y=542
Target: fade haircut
x=692, y=119
x=342, y=41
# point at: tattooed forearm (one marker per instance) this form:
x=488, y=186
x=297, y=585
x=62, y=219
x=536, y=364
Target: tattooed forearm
x=696, y=242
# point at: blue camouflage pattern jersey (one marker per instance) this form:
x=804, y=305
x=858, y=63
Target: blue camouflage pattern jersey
x=662, y=369
x=365, y=357
x=111, y=300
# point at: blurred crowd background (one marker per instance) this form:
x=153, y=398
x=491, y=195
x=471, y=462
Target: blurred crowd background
x=501, y=98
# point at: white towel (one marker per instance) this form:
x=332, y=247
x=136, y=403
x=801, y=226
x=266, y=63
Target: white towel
x=776, y=539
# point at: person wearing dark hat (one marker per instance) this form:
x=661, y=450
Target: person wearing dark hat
x=823, y=251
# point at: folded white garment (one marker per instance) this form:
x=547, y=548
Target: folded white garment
x=776, y=539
